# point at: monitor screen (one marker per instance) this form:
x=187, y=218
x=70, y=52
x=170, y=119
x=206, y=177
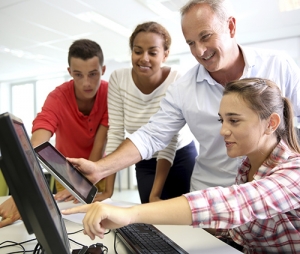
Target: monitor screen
x=29, y=188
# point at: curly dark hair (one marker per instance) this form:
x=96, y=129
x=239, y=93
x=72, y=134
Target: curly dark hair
x=151, y=27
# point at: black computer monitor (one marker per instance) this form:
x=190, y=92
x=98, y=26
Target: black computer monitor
x=29, y=188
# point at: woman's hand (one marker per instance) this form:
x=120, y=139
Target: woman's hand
x=100, y=217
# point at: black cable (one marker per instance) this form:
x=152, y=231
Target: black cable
x=36, y=249
x=105, y=249
x=26, y=251
x=115, y=240
x=72, y=233
x=15, y=243
x=20, y=244
x=76, y=242
x=11, y=245
x=75, y=232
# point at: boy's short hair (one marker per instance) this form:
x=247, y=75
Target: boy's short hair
x=85, y=49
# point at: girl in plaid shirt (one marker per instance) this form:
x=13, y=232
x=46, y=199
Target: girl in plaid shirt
x=261, y=212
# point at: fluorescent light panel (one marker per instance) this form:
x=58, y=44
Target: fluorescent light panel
x=289, y=5
x=157, y=7
x=20, y=53
x=95, y=17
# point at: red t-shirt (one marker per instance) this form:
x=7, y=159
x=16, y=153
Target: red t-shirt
x=74, y=131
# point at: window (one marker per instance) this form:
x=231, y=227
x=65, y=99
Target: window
x=28, y=98
x=22, y=103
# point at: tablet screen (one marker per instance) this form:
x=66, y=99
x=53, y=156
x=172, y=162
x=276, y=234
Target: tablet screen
x=65, y=172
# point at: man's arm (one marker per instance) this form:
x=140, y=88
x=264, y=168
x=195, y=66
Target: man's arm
x=124, y=156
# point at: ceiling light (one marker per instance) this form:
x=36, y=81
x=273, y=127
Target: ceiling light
x=16, y=52
x=157, y=7
x=20, y=53
x=289, y=5
x=92, y=16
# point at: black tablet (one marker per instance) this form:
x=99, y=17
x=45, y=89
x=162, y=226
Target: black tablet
x=64, y=172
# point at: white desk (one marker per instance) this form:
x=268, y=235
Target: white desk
x=193, y=240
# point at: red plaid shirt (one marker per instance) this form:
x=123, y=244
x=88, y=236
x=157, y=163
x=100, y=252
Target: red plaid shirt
x=262, y=215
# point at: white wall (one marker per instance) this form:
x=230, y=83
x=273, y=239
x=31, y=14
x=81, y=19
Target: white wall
x=4, y=97
x=291, y=46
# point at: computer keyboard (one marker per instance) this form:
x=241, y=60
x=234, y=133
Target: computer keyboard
x=145, y=238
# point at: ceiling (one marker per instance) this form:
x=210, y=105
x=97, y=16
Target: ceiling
x=35, y=34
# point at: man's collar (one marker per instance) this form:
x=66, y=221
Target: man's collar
x=203, y=74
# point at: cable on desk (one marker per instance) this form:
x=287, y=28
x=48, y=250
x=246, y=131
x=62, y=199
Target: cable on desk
x=72, y=233
x=104, y=249
x=82, y=230
x=115, y=240
x=20, y=244
x=76, y=242
x=75, y=232
x=11, y=245
x=38, y=249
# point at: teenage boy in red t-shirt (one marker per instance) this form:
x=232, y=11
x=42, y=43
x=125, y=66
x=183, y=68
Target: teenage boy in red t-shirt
x=76, y=112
